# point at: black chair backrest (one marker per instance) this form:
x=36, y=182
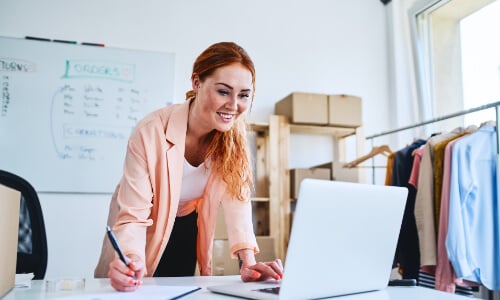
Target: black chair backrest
x=32, y=247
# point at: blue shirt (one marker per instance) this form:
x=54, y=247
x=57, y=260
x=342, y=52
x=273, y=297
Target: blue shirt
x=473, y=241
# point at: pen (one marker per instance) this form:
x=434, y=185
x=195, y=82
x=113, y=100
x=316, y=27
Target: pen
x=185, y=294
x=93, y=44
x=64, y=41
x=114, y=242
x=37, y=38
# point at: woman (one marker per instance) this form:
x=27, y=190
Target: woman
x=184, y=161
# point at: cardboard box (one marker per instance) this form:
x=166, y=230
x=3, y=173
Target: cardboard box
x=304, y=108
x=339, y=173
x=344, y=174
x=297, y=175
x=344, y=111
x=223, y=264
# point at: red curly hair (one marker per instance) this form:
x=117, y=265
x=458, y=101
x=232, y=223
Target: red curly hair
x=228, y=150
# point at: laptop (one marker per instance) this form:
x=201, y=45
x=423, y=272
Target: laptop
x=343, y=240
x=10, y=201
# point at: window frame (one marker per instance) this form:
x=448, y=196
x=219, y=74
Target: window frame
x=427, y=70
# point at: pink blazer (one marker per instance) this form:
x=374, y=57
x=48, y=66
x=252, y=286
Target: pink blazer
x=146, y=201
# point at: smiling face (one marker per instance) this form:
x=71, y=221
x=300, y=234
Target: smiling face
x=221, y=98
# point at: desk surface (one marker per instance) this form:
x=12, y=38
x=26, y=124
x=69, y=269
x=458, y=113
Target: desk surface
x=92, y=286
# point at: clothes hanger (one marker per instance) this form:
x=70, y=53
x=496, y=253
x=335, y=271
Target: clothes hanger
x=488, y=123
x=384, y=150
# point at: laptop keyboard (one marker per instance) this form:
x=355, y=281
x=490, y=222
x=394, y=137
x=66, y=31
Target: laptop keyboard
x=273, y=290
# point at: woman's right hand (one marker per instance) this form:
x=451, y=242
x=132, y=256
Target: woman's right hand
x=125, y=278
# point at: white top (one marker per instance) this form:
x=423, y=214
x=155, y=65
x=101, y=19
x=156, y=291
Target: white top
x=194, y=181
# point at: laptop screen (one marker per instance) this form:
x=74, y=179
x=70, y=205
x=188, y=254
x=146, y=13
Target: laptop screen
x=343, y=239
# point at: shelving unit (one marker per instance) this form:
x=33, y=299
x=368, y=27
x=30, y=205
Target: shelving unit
x=272, y=203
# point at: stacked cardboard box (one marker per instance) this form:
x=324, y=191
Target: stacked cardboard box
x=321, y=109
x=297, y=175
x=222, y=263
x=340, y=173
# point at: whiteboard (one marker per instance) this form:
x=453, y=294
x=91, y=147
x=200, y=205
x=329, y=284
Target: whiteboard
x=67, y=110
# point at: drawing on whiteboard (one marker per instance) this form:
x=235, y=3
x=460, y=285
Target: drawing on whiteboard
x=12, y=65
x=5, y=95
x=16, y=65
x=66, y=111
x=99, y=69
x=88, y=119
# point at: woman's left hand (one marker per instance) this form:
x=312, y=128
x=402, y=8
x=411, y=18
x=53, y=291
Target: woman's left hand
x=262, y=271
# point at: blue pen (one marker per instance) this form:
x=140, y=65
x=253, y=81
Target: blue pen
x=114, y=242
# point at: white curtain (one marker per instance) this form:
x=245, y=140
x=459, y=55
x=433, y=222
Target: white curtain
x=407, y=107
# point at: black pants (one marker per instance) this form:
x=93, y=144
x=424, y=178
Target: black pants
x=179, y=258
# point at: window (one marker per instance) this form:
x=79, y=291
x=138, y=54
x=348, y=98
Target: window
x=457, y=50
x=480, y=44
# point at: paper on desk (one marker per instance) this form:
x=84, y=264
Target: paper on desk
x=150, y=292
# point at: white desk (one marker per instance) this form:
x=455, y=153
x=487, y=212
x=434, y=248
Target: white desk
x=38, y=291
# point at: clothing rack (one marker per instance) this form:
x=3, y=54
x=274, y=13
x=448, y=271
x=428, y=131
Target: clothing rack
x=454, y=115
x=496, y=105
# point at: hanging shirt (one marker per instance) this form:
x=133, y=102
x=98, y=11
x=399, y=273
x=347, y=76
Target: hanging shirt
x=388, y=172
x=445, y=276
x=424, y=201
x=438, y=166
x=407, y=250
x=472, y=242
x=415, y=169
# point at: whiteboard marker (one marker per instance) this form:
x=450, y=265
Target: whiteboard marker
x=37, y=38
x=93, y=44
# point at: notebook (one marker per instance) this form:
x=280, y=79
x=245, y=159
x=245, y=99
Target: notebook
x=10, y=201
x=343, y=240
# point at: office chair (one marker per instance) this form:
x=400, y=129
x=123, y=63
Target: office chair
x=32, y=241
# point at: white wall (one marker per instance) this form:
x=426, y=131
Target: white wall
x=323, y=46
